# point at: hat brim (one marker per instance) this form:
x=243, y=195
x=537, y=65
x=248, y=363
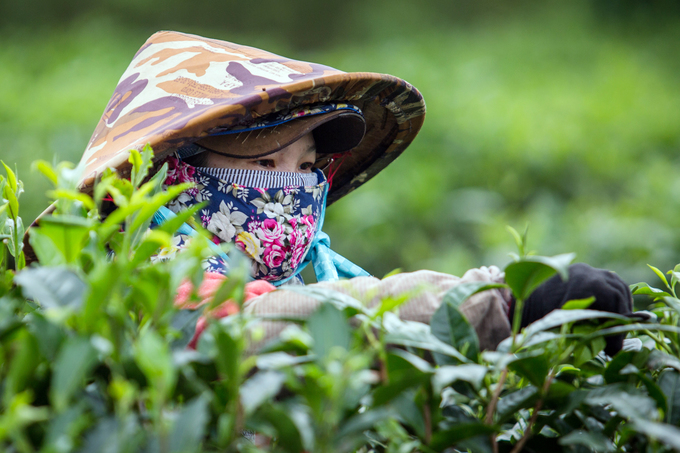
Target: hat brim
x=334, y=132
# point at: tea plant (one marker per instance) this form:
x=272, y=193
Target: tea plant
x=94, y=353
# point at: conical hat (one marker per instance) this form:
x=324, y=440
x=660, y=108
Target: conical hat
x=179, y=87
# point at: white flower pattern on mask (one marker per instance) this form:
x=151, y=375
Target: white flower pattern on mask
x=226, y=223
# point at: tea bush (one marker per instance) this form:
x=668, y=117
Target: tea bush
x=94, y=354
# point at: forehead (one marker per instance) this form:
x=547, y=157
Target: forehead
x=301, y=148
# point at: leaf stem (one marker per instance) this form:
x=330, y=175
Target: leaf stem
x=537, y=407
x=492, y=406
x=658, y=340
x=516, y=321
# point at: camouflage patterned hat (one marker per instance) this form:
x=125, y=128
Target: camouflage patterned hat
x=180, y=88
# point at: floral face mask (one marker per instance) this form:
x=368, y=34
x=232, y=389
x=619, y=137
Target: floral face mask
x=272, y=217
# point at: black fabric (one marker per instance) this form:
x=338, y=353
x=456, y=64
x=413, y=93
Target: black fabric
x=610, y=292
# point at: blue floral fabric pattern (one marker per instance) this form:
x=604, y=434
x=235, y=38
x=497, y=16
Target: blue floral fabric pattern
x=274, y=226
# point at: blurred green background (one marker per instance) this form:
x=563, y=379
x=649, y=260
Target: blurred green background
x=561, y=115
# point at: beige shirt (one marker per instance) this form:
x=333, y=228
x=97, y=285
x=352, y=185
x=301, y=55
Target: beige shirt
x=486, y=311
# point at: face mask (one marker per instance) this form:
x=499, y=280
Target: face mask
x=272, y=217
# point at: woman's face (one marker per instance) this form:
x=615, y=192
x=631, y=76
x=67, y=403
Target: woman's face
x=298, y=157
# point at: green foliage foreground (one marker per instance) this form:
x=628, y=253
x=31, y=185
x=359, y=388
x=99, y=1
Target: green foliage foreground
x=94, y=355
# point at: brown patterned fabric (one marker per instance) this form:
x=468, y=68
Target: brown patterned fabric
x=486, y=311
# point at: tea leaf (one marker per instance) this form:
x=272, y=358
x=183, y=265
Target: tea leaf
x=669, y=382
x=261, y=387
x=667, y=434
x=458, y=433
x=11, y=178
x=52, y=287
x=189, y=427
x=448, y=323
x=596, y=442
x=578, y=304
x=340, y=300
x=59, y=239
x=534, y=367
x=74, y=361
x=559, y=317
x=154, y=359
x=526, y=275
x=46, y=169
x=446, y=375
x=329, y=329
x=418, y=335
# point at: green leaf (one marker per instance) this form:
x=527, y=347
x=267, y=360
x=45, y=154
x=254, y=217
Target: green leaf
x=450, y=326
x=658, y=360
x=659, y=274
x=184, y=321
x=52, y=287
x=675, y=275
x=669, y=382
x=171, y=226
x=358, y=423
x=22, y=365
x=578, y=304
x=625, y=399
x=285, y=429
x=66, y=426
x=446, y=438
x=390, y=304
x=262, y=386
x=526, y=275
x=224, y=345
x=417, y=335
x=405, y=370
x=151, y=243
x=535, y=368
x=593, y=441
x=73, y=195
x=645, y=290
x=447, y=375
x=513, y=402
x=141, y=162
x=629, y=328
x=232, y=289
x=520, y=241
x=114, y=435
x=656, y=393
x=408, y=412
x=620, y=360
x=62, y=239
x=49, y=335
x=559, y=317
x=667, y=434
x=13, y=202
x=72, y=366
x=46, y=169
x=278, y=360
x=673, y=303
x=189, y=427
x=340, y=300
x=11, y=178
x=329, y=329
x=302, y=419
x=153, y=356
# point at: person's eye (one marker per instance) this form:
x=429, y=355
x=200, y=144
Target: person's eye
x=306, y=166
x=267, y=163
